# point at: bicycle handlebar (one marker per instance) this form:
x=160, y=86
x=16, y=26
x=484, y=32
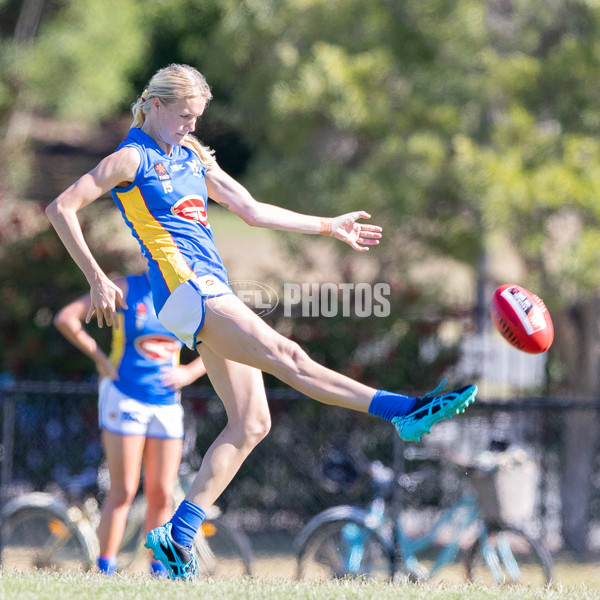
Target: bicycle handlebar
x=433, y=453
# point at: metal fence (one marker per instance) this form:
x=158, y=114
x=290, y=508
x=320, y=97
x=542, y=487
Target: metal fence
x=50, y=439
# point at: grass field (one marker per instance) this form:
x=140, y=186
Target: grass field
x=274, y=569
x=72, y=586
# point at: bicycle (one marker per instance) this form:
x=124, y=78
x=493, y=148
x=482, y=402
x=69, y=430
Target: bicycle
x=41, y=530
x=352, y=541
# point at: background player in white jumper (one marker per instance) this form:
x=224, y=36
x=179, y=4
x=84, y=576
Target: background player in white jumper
x=139, y=409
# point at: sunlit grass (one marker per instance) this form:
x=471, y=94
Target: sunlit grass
x=74, y=586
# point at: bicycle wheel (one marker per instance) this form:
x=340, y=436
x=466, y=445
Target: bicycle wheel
x=509, y=555
x=37, y=537
x=222, y=550
x=344, y=547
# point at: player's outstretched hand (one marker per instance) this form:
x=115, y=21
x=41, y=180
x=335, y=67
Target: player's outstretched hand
x=176, y=377
x=106, y=299
x=357, y=235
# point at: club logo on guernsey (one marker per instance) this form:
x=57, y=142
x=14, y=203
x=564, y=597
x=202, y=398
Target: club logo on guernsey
x=141, y=315
x=191, y=208
x=161, y=171
x=156, y=347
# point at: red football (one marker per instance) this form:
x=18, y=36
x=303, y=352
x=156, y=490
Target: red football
x=522, y=318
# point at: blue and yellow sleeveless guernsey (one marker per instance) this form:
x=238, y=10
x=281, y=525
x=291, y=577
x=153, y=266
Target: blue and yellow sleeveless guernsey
x=165, y=207
x=141, y=346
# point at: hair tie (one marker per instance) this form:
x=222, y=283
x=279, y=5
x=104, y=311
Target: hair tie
x=144, y=94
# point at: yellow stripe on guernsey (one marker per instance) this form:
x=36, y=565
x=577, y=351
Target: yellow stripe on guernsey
x=117, y=348
x=156, y=239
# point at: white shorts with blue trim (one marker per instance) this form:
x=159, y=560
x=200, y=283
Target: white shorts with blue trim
x=120, y=414
x=183, y=312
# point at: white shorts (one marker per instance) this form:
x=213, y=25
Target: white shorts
x=183, y=312
x=117, y=413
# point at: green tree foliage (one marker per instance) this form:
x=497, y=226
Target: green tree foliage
x=79, y=61
x=97, y=52
x=31, y=347
x=532, y=164
x=467, y=128
x=73, y=61
x=333, y=101
x=456, y=124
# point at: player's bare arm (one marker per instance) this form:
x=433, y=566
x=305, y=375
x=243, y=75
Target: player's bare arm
x=225, y=190
x=69, y=321
x=116, y=169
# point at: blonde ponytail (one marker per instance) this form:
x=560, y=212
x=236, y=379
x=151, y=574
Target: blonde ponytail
x=170, y=84
x=204, y=153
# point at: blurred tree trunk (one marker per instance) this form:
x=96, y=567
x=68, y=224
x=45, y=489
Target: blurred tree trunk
x=15, y=123
x=18, y=121
x=29, y=19
x=579, y=349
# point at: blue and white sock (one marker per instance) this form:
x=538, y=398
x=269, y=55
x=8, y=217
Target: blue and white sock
x=107, y=564
x=158, y=569
x=388, y=405
x=186, y=521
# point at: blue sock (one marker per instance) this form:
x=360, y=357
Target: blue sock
x=158, y=569
x=186, y=521
x=388, y=405
x=107, y=564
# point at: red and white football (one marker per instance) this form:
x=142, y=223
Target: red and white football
x=522, y=318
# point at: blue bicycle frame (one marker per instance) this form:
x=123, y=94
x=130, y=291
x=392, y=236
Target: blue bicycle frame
x=461, y=515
